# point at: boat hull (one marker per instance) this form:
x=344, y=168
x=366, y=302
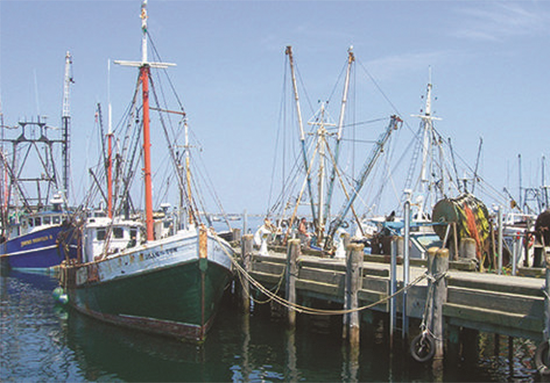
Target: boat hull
x=171, y=288
x=41, y=249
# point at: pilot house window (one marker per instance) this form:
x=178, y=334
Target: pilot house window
x=118, y=232
x=100, y=234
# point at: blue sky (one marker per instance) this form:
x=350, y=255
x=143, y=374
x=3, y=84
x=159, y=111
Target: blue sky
x=489, y=59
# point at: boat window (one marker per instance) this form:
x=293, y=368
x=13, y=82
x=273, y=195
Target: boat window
x=31, y=222
x=46, y=220
x=100, y=234
x=133, y=233
x=118, y=232
x=56, y=219
x=38, y=221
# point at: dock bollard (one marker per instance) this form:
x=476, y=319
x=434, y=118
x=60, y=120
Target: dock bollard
x=293, y=251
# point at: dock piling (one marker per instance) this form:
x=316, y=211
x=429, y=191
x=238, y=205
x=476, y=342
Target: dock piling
x=354, y=264
x=246, y=251
x=293, y=251
x=440, y=268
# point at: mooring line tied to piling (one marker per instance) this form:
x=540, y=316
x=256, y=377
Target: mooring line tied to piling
x=273, y=295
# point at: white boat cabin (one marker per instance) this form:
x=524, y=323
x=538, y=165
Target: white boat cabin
x=104, y=237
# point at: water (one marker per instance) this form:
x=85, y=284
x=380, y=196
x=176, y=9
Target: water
x=41, y=341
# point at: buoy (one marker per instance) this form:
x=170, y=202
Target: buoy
x=59, y=296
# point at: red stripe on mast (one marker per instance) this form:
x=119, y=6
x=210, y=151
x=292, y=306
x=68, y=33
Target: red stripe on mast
x=144, y=75
x=110, y=176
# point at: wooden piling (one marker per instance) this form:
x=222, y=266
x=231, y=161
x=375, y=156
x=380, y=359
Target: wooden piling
x=546, y=331
x=354, y=264
x=440, y=267
x=467, y=249
x=246, y=263
x=236, y=235
x=396, y=250
x=293, y=252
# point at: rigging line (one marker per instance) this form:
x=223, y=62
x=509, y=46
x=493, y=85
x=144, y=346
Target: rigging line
x=280, y=128
x=384, y=95
x=335, y=167
x=299, y=76
x=205, y=176
x=310, y=310
x=156, y=53
x=358, y=141
x=354, y=124
x=480, y=178
x=338, y=80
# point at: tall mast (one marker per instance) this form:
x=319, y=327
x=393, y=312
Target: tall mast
x=66, y=122
x=144, y=72
x=302, y=133
x=109, y=146
x=427, y=147
x=351, y=60
x=191, y=214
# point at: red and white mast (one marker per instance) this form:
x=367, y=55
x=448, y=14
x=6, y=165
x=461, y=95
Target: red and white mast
x=144, y=71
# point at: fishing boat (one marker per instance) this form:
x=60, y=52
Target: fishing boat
x=162, y=271
x=38, y=230
x=319, y=177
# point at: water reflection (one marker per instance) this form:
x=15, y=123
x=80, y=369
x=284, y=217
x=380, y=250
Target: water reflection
x=41, y=341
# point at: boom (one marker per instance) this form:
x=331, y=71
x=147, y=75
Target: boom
x=367, y=168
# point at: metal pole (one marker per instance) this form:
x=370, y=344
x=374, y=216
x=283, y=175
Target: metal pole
x=515, y=252
x=393, y=288
x=500, y=240
x=407, y=211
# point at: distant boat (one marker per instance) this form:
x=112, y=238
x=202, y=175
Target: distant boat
x=37, y=230
x=165, y=274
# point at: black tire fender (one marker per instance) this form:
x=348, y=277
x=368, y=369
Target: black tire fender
x=422, y=347
x=541, y=356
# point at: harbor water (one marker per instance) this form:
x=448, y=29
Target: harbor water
x=43, y=341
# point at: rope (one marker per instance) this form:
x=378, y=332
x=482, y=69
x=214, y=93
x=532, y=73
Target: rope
x=303, y=309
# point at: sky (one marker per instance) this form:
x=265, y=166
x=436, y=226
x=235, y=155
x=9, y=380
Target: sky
x=489, y=63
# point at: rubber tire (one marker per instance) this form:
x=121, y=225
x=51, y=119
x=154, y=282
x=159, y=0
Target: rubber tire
x=422, y=348
x=541, y=354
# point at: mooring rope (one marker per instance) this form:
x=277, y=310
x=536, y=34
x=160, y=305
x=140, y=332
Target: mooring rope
x=303, y=309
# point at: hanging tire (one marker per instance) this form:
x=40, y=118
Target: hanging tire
x=423, y=347
x=541, y=357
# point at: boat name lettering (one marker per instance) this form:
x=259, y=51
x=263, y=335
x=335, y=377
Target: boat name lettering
x=156, y=254
x=36, y=240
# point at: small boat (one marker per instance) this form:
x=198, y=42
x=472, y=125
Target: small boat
x=165, y=273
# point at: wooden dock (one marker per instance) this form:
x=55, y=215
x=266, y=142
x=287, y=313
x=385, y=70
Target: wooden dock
x=512, y=306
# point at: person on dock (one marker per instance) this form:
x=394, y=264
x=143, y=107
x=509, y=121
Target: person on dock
x=303, y=234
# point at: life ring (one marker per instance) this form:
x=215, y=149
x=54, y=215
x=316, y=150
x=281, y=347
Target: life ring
x=423, y=347
x=541, y=356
